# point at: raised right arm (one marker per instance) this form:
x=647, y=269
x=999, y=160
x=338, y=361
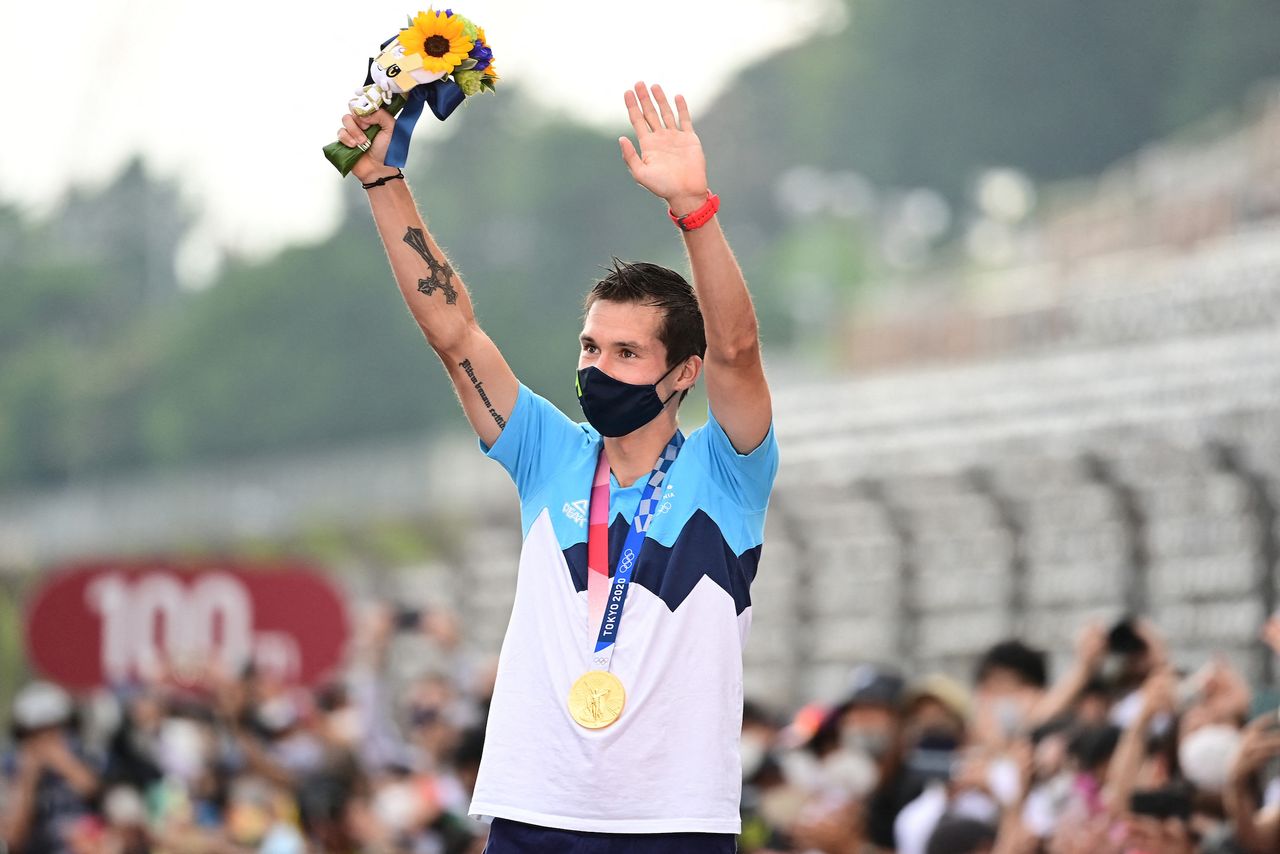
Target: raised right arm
x=432, y=289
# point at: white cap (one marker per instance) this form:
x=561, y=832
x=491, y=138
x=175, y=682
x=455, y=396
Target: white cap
x=41, y=704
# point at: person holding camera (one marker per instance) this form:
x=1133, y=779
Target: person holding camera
x=52, y=785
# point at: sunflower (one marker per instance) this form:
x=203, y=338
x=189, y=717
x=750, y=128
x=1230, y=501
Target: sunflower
x=438, y=39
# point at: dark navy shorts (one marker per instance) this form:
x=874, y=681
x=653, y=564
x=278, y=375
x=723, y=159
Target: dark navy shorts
x=512, y=837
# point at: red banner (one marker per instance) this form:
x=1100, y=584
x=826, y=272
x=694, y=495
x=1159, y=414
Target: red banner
x=116, y=621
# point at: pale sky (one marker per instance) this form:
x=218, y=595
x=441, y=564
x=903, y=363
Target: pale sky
x=92, y=82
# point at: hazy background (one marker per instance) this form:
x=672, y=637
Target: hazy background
x=1017, y=267
x=201, y=348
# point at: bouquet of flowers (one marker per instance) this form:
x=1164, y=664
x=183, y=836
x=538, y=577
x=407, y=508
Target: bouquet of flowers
x=438, y=61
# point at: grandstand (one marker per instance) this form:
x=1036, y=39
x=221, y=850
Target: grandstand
x=1093, y=432
x=935, y=510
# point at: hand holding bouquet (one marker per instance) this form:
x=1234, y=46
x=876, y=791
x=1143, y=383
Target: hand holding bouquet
x=438, y=61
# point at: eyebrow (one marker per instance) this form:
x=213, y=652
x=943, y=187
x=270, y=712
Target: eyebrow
x=628, y=345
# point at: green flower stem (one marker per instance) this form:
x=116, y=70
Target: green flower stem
x=344, y=157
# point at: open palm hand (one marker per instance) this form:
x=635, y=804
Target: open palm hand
x=669, y=162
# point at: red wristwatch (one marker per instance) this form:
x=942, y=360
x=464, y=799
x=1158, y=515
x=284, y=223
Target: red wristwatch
x=697, y=218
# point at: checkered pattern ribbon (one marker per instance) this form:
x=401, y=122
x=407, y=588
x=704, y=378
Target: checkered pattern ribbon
x=608, y=609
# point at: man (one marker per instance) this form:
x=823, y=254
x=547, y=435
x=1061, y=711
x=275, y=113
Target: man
x=50, y=784
x=586, y=750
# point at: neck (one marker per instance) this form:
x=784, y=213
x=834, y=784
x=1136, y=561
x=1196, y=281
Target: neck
x=632, y=456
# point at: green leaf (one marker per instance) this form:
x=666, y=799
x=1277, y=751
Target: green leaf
x=344, y=158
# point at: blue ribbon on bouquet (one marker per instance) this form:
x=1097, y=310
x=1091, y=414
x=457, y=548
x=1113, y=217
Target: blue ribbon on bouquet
x=441, y=96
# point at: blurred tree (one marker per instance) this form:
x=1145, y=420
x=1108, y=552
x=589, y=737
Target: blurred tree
x=1232, y=46
x=308, y=348
x=929, y=92
x=314, y=347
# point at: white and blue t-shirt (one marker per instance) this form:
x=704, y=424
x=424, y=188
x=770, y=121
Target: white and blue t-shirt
x=671, y=761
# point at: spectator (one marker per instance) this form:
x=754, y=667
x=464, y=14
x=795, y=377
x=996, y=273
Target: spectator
x=1023, y=766
x=861, y=747
x=1256, y=765
x=1009, y=683
x=53, y=785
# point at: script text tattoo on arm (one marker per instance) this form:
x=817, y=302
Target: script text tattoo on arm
x=465, y=364
x=440, y=274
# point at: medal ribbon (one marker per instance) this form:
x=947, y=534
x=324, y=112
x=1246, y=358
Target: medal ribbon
x=605, y=601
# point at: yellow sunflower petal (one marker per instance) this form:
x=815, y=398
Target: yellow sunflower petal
x=450, y=27
x=436, y=66
x=431, y=24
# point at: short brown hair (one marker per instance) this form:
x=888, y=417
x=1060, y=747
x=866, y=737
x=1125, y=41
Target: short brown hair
x=682, y=331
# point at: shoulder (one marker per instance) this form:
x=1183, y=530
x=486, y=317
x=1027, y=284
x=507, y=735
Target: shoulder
x=748, y=476
x=713, y=439
x=536, y=420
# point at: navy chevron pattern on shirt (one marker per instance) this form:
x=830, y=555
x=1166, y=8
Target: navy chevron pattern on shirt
x=671, y=573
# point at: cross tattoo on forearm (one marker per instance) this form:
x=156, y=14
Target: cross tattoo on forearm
x=440, y=274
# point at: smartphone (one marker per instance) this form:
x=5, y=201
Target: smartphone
x=1162, y=803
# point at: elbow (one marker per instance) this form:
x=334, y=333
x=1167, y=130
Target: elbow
x=742, y=351
x=450, y=340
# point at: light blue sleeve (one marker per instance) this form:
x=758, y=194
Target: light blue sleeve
x=536, y=442
x=747, y=478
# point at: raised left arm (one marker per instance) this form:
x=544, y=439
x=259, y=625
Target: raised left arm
x=670, y=164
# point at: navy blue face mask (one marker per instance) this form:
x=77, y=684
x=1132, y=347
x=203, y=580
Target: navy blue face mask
x=616, y=408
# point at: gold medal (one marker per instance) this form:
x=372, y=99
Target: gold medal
x=596, y=699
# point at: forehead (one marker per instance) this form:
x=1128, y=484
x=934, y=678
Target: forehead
x=999, y=680
x=867, y=715
x=622, y=321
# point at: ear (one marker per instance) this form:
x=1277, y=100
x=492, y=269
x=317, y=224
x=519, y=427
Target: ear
x=688, y=373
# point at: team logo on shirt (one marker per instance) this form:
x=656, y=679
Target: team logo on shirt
x=576, y=511
x=665, y=506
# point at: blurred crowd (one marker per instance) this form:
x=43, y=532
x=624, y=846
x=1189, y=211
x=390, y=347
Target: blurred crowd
x=1121, y=753
x=191, y=760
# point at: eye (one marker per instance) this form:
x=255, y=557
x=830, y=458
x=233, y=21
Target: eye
x=627, y=354
x=588, y=348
